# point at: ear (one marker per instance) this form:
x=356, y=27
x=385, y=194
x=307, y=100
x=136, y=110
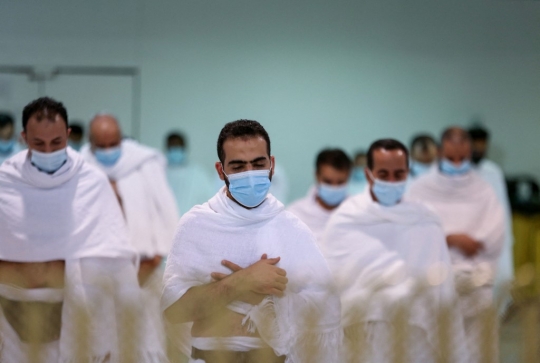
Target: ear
x=69, y=131
x=273, y=161
x=23, y=136
x=219, y=169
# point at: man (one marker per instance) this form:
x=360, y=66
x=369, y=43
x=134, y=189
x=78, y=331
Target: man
x=423, y=155
x=67, y=271
x=473, y=222
x=358, y=182
x=8, y=144
x=382, y=252
x=333, y=170
x=246, y=273
x=493, y=174
x=189, y=182
x=76, y=137
x=137, y=174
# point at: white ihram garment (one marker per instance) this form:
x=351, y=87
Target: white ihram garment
x=71, y=215
x=383, y=258
x=311, y=213
x=221, y=229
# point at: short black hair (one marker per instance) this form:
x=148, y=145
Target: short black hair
x=423, y=141
x=479, y=133
x=42, y=104
x=6, y=119
x=241, y=129
x=77, y=128
x=177, y=135
x=453, y=131
x=385, y=144
x=336, y=158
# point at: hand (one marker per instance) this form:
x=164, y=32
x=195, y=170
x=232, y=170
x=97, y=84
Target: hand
x=466, y=244
x=258, y=280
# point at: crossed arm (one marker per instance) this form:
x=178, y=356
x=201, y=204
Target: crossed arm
x=250, y=285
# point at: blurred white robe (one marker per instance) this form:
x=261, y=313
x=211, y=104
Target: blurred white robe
x=383, y=258
x=16, y=148
x=221, y=229
x=71, y=215
x=311, y=213
x=190, y=185
x=468, y=205
x=493, y=174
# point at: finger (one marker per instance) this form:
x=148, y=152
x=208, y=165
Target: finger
x=276, y=292
x=218, y=276
x=231, y=266
x=264, y=256
x=273, y=261
x=282, y=280
x=279, y=286
x=281, y=272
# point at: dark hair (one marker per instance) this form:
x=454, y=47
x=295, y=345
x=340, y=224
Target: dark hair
x=77, y=128
x=176, y=135
x=6, y=119
x=385, y=144
x=479, y=133
x=42, y=104
x=454, y=131
x=241, y=129
x=423, y=141
x=336, y=158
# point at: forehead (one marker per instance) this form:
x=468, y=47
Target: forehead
x=40, y=122
x=383, y=158
x=245, y=148
x=456, y=145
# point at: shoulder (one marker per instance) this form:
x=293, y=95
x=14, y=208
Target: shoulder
x=290, y=223
x=299, y=204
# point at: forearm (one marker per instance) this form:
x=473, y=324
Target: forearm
x=200, y=302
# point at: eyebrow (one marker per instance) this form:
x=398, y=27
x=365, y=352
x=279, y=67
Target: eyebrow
x=242, y=162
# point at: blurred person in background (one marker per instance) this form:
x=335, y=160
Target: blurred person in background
x=138, y=176
x=473, y=220
x=189, y=182
x=76, y=137
x=358, y=182
x=493, y=174
x=424, y=152
x=383, y=252
x=8, y=142
x=65, y=256
x=332, y=174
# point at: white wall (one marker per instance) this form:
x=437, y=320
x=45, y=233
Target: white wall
x=314, y=73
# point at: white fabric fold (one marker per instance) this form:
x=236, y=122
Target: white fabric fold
x=311, y=213
x=221, y=229
x=237, y=344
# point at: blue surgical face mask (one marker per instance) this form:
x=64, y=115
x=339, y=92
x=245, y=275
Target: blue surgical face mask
x=451, y=169
x=358, y=174
x=388, y=193
x=108, y=157
x=250, y=187
x=6, y=146
x=176, y=155
x=418, y=168
x=48, y=162
x=332, y=195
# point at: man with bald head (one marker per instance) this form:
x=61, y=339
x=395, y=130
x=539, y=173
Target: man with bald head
x=64, y=251
x=138, y=176
x=473, y=221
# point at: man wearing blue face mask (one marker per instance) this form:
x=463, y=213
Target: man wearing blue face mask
x=138, y=176
x=333, y=170
x=245, y=272
x=423, y=155
x=8, y=144
x=190, y=183
x=358, y=182
x=381, y=250
x=64, y=252
x=473, y=221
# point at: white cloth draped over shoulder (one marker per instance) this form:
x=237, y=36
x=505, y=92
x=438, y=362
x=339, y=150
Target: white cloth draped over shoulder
x=466, y=205
x=383, y=258
x=493, y=174
x=311, y=213
x=221, y=229
x=190, y=184
x=147, y=200
x=71, y=215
